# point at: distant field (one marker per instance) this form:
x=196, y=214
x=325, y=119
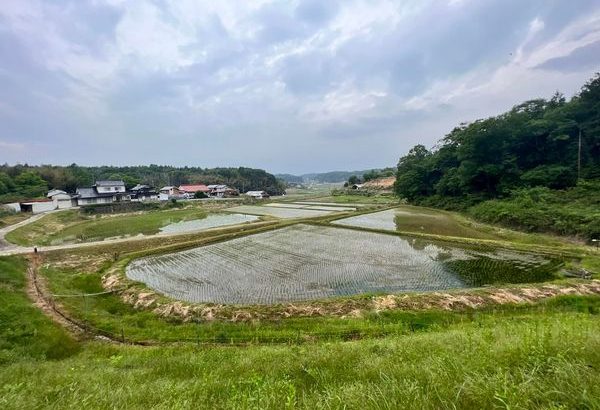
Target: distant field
x=277, y=212
x=305, y=262
x=416, y=219
x=360, y=199
x=337, y=205
x=72, y=226
x=318, y=206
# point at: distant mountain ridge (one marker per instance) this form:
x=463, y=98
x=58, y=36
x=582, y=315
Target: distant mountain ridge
x=322, y=177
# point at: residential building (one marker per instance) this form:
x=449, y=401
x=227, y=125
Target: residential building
x=142, y=193
x=61, y=199
x=170, y=192
x=103, y=192
x=221, y=191
x=257, y=194
x=193, y=188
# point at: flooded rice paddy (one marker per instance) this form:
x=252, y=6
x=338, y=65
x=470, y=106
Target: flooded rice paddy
x=303, y=262
x=211, y=221
x=375, y=220
x=309, y=206
x=283, y=213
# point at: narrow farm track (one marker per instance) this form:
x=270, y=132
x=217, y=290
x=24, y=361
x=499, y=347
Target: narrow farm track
x=40, y=296
x=22, y=250
x=6, y=248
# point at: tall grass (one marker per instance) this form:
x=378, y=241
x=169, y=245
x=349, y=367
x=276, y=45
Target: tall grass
x=24, y=331
x=537, y=361
x=545, y=356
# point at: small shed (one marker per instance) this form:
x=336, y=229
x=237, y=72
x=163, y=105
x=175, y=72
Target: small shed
x=37, y=206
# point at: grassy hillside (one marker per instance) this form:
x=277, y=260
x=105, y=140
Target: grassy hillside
x=25, y=333
x=527, y=359
x=74, y=226
x=535, y=167
x=574, y=211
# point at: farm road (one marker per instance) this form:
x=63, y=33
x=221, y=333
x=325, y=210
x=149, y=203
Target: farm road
x=7, y=248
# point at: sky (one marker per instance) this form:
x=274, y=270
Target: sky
x=287, y=86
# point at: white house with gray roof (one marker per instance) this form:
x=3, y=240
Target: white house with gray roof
x=103, y=192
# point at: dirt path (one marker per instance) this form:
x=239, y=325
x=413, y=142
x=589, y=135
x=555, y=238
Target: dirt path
x=39, y=294
x=7, y=247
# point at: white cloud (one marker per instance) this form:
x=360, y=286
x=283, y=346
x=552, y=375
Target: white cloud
x=229, y=75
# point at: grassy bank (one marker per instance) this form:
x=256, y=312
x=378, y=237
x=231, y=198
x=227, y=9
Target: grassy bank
x=25, y=333
x=73, y=226
x=543, y=356
x=10, y=218
x=525, y=359
x=574, y=211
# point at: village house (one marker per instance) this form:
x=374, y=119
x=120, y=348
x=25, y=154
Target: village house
x=257, y=194
x=170, y=192
x=221, y=191
x=142, y=193
x=192, y=189
x=103, y=192
x=61, y=199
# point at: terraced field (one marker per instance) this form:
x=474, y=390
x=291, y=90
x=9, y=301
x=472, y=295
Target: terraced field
x=415, y=219
x=304, y=262
x=211, y=221
x=375, y=220
x=284, y=213
x=295, y=205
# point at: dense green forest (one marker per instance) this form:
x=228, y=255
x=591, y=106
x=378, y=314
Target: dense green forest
x=25, y=181
x=527, y=162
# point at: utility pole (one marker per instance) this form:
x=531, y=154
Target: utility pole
x=579, y=157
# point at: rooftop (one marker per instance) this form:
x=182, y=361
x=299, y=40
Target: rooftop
x=194, y=188
x=110, y=183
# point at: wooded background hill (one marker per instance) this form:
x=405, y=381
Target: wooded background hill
x=537, y=166
x=25, y=181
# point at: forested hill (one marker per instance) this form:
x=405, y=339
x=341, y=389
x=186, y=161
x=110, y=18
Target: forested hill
x=538, y=145
x=322, y=177
x=24, y=181
x=534, y=144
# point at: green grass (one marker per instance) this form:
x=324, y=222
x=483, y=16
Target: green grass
x=419, y=219
x=574, y=211
x=24, y=331
x=110, y=315
x=72, y=226
x=10, y=218
x=530, y=361
x=360, y=199
x=541, y=356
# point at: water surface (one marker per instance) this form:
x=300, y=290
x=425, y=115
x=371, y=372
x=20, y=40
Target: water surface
x=303, y=262
x=211, y=221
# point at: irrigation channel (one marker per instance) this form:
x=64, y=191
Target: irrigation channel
x=306, y=262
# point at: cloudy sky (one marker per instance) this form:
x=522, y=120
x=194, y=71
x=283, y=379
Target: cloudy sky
x=287, y=86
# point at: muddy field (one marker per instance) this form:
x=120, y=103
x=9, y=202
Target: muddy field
x=307, y=262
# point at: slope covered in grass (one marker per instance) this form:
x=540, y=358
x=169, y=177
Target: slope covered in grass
x=528, y=358
x=25, y=333
x=73, y=226
x=574, y=211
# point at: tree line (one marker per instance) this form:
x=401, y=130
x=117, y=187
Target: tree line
x=20, y=182
x=549, y=143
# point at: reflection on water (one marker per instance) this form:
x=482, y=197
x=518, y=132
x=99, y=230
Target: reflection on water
x=211, y=221
x=304, y=262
